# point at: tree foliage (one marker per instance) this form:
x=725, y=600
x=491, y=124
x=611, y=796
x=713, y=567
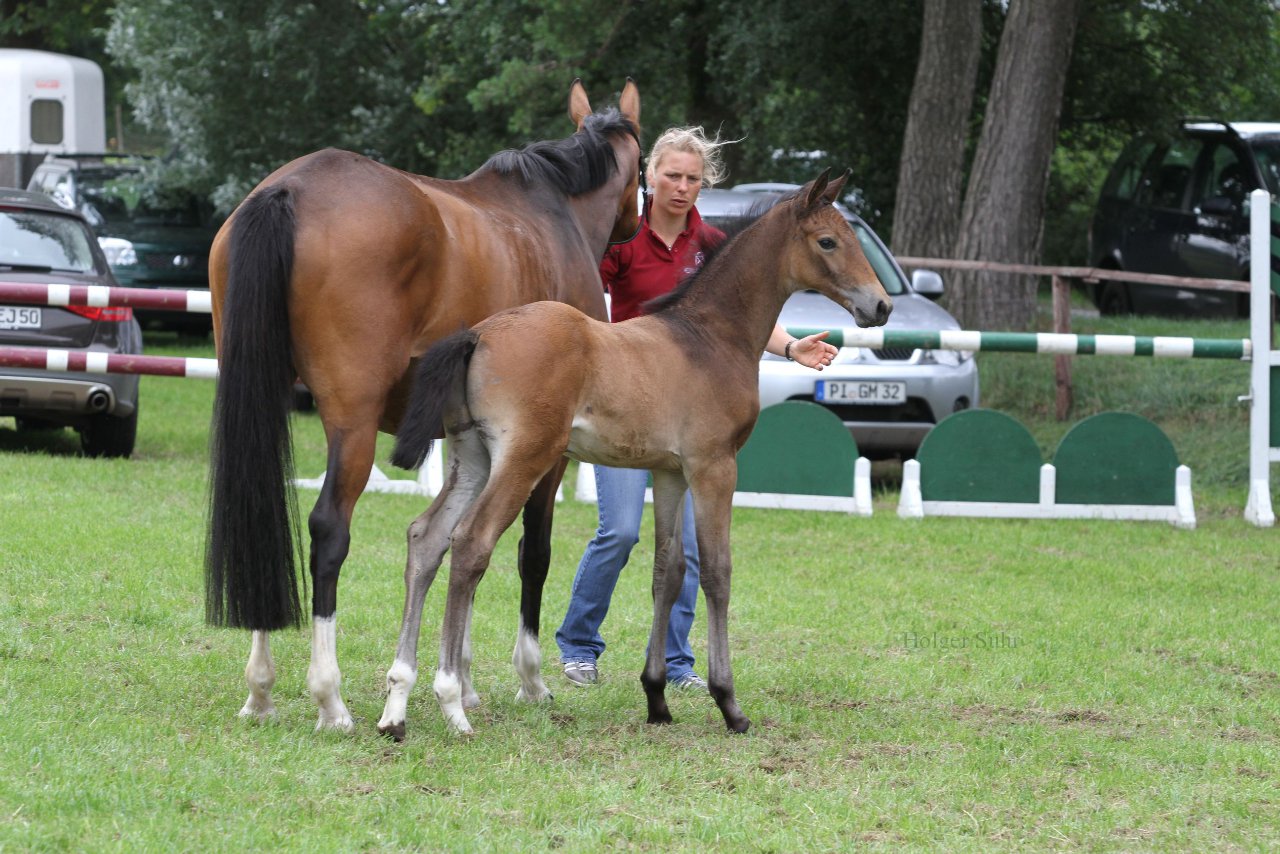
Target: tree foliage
x=240, y=88
x=74, y=28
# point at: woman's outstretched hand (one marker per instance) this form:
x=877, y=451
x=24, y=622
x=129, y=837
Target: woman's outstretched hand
x=813, y=351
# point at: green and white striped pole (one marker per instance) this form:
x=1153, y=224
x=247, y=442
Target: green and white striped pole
x=1037, y=342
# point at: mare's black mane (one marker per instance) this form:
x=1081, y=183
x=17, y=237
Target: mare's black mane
x=576, y=164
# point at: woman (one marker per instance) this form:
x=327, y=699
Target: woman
x=671, y=244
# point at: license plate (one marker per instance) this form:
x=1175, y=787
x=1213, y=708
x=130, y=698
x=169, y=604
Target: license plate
x=19, y=317
x=853, y=391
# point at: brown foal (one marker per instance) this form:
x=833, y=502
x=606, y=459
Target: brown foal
x=674, y=391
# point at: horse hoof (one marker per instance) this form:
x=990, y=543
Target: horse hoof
x=395, y=732
x=527, y=697
x=660, y=720
x=463, y=731
x=338, y=723
x=259, y=714
x=739, y=726
x=471, y=701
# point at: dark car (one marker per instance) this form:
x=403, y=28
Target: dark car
x=44, y=243
x=1179, y=207
x=153, y=237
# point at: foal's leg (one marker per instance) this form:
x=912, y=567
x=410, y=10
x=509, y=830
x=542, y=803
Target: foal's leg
x=350, y=460
x=260, y=673
x=473, y=542
x=668, y=577
x=713, y=510
x=428, y=537
x=534, y=560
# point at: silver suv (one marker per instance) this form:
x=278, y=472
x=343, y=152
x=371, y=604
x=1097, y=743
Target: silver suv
x=43, y=243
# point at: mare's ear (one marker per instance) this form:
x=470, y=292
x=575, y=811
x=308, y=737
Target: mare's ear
x=579, y=106
x=629, y=103
x=816, y=190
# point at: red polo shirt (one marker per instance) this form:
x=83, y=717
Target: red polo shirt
x=644, y=268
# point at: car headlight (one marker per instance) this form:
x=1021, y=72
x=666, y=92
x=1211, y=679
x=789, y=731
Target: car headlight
x=950, y=358
x=119, y=251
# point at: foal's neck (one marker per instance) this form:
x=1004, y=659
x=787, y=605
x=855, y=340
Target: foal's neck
x=737, y=299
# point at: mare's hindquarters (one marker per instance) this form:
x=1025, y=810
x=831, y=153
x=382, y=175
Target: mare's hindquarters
x=250, y=568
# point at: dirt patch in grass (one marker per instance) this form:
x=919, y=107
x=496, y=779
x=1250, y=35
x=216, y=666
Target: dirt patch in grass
x=987, y=714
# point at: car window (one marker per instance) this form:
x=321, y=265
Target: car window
x=879, y=258
x=1222, y=174
x=57, y=183
x=1166, y=183
x=31, y=238
x=116, y=195
x=1267, y=153
x=1122, y=182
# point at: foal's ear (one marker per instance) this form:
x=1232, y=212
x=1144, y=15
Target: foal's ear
x=579, y=106
x=817, y=189
x=824, y=190
x=834, y=188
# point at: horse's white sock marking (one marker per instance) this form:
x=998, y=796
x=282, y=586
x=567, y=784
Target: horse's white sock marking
x=400, y=681
x=527, y=659
x=260, y=673
x=448, y=690
x=323, y=677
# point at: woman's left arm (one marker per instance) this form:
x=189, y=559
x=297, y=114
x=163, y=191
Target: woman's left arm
x=812, y=351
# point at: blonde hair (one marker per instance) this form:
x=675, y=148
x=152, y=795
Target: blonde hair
x=690, y=140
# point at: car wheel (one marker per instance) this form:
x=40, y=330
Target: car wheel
x=1114, y=299
x=28, y=424
x=109, y=436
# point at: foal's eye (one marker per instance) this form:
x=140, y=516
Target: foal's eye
x=827, y=243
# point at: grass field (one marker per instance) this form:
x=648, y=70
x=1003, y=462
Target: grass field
x=943, y=684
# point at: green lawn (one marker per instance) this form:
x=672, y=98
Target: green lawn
x=944, y=684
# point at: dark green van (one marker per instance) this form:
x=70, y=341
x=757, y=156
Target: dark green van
x=152, y=237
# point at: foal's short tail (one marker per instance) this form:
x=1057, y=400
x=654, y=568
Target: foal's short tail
x=253, y=538
x=440, y=378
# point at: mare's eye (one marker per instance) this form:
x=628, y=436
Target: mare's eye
x=827, y=243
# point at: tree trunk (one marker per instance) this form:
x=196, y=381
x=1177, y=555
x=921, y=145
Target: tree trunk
x=926, y=212
x=1003, y=215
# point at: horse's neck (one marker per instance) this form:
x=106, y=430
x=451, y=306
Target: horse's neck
x=596, y=212
x=739, y=298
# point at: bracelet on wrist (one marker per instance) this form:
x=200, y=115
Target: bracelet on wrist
x=786, y=351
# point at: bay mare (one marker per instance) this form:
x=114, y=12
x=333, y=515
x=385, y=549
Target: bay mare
x=342, y=271
x=674, y=391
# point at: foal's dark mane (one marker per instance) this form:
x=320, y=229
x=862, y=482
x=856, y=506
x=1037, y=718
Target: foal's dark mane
x=576, y=164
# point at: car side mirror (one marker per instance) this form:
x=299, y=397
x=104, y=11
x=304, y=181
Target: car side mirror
x=927, y=283
x=1219, y=206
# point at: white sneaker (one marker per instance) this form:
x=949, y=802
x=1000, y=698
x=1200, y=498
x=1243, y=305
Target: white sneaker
x=581, y=672
x=690, y=682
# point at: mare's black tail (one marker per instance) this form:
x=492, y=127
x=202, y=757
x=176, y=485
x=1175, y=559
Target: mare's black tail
x=251, y=577
x=440, y=376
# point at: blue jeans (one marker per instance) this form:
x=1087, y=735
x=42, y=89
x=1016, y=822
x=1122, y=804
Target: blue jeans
x=620, y=497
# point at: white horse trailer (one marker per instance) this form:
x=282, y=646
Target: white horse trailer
x=49, y=103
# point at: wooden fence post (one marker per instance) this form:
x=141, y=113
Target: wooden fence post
x=1062, y=364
